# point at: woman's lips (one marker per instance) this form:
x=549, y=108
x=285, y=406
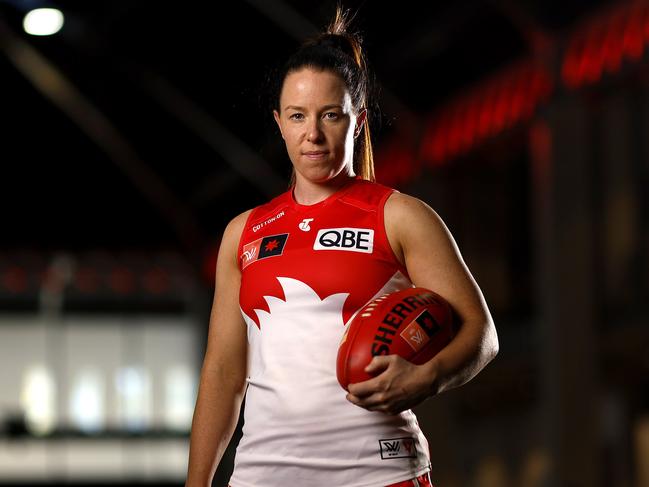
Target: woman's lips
x=315, y=154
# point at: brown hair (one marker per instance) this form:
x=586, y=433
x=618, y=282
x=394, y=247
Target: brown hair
x=340, y=52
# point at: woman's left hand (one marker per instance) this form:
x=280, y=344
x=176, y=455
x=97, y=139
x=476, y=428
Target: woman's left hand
x=398, y=385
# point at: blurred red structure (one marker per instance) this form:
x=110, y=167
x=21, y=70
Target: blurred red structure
x=603, y=44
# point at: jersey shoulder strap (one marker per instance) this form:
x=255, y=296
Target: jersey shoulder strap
x=367, y=195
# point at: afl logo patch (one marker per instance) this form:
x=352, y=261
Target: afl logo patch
x=263, y=247
x=350, y=239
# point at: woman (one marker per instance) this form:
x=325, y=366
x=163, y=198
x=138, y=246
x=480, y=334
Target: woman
x=292, y=272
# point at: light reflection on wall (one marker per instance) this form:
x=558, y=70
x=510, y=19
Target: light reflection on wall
x=87, y=400
x=180, y=393
x=133, y=384
x=38, y=399
x=88, y=393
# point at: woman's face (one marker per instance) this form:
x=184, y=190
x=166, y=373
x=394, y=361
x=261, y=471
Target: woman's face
x=318, y=124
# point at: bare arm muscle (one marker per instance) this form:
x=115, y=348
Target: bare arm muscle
x=223, y=375
x=423, y=243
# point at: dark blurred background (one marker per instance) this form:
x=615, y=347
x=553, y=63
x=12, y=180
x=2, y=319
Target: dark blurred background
x=136, y=132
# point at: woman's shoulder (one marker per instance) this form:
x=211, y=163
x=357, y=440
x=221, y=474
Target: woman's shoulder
x=239, y=221
x=404, y=203
x=398, y=199
x=234, y=228
x=403, y=212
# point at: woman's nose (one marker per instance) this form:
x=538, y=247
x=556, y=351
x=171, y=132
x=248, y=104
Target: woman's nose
x=314, y=134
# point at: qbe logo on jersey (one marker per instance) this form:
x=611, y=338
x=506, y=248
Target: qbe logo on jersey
x=350, y=239
x=398, y=448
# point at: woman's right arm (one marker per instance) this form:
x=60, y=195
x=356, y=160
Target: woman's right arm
x=223, y=375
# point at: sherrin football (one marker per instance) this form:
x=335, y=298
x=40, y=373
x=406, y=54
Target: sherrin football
x=414, y=323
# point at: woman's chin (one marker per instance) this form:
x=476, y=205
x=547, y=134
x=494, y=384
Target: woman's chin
x=324, y=172
x=324, y=176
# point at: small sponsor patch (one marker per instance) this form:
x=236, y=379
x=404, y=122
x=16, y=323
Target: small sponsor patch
x=398, y=448
x=263, y=247
x=304, y=224
x=268, y=221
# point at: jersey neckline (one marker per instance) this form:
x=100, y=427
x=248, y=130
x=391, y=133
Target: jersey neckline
x=321, y=204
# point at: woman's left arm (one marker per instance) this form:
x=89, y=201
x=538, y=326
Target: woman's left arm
x=423, y=243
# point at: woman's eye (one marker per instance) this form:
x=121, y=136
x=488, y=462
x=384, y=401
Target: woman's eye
x=296, y=116
x=331, y=115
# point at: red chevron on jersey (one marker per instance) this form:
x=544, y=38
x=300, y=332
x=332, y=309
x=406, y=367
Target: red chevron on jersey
x=343, y=248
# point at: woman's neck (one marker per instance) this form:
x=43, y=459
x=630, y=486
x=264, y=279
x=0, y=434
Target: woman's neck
x=309, y=193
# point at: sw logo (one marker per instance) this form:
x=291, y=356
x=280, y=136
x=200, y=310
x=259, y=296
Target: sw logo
x=249, y=254
x=398, y=448
x=350, y=239
x=263, y=247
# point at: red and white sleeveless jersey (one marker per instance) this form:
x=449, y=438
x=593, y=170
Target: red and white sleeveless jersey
x=306, y=270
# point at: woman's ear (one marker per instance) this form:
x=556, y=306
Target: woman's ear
x=276, y=117
x=360, y=120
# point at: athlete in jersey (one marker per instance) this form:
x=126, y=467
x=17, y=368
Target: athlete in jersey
x=306, y=270
x=288, y=279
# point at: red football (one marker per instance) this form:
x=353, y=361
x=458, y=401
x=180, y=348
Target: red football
x=414, y=323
